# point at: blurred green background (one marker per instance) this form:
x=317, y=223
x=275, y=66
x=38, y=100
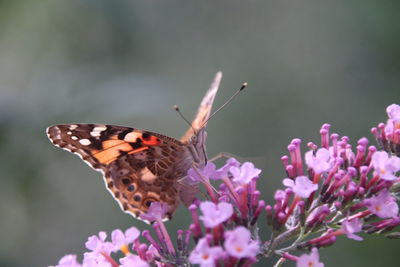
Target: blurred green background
x=129, y=62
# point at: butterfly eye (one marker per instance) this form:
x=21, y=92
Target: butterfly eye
x=193, y=139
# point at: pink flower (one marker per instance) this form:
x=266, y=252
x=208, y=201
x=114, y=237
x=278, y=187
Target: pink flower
x=321, y=162
x=311, y=260
x=238, y=243
x=206, y=173
x=389, y=129
x=93, y=259
x=315, y=213
x=351, y=227
x=213, y=214
x=133, y=260
x=120, y=240
x=68, y=261
x=156, y=212
x=205, y=255
x=383, y=205
x=245, y=173
x=152, y=253
x=302, y=186
x=393, y=112
x=384, y=166
x=97, y=244
x=393, y=123
x=223, y=171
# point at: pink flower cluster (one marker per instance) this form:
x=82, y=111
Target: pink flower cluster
x=100, y=251
x=334, y=190
x=221, y=227
x=388, y=135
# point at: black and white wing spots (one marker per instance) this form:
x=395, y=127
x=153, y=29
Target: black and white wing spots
x=83, y=139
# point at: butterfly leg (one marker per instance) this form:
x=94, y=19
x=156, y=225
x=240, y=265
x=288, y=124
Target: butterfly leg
x=225, y=155
x=204, y=180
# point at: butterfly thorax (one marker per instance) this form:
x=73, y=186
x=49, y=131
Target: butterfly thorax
x=195, y=144
x=197, y=148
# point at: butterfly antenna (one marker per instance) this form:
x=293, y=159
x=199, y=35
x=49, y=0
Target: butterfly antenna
x=244, y=85
x=176, y=108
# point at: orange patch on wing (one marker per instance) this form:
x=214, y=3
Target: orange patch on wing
x=108, y=155
x=152, y=141
x=111, y=143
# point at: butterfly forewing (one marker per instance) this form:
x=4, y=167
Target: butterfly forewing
x=204, y=110
x=139, y=167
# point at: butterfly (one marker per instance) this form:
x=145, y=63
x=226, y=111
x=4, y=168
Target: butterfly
x=140, y=167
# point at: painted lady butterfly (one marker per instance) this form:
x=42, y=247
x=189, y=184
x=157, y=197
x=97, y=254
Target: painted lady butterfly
x=140, y=167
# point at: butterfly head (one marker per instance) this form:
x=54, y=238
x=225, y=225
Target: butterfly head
x=198, y=137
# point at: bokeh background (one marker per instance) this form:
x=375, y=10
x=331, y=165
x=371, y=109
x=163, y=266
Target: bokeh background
x=129, y=62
